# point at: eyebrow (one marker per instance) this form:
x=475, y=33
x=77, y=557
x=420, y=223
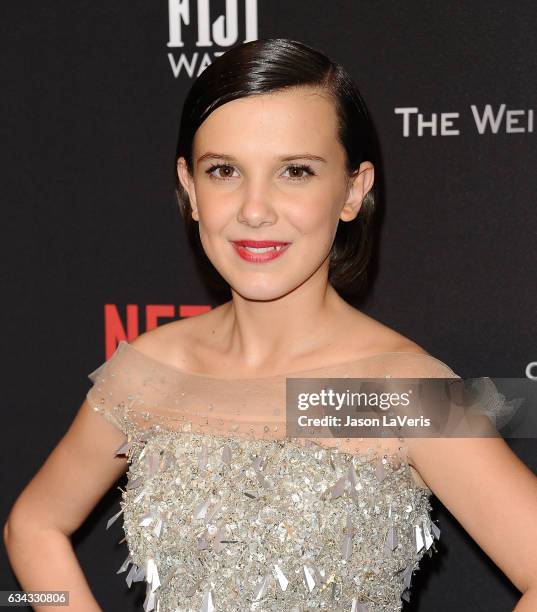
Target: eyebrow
x=224, y=156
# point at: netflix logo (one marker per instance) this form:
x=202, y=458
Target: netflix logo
x=126, y=323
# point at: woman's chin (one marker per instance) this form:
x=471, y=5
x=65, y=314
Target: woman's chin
x=264, y=292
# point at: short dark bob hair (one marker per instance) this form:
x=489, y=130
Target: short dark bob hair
x=274, y=64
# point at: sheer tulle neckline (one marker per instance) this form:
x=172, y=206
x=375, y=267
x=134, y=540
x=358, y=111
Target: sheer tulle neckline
x=274, y=377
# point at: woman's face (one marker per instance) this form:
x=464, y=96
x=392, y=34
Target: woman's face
x=270, y=168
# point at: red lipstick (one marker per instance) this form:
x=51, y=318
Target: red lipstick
x=247, y=249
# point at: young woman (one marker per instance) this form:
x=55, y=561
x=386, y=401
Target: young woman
x=276, y=165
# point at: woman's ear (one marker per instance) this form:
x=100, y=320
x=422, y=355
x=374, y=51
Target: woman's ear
x=187, y=182
x=361, y=181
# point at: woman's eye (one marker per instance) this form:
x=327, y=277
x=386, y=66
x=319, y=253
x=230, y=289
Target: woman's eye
x=226, y=174
x=300, y=172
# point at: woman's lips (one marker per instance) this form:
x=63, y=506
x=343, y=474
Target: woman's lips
x=270, y=249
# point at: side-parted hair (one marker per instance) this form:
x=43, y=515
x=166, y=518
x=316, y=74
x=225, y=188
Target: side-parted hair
x=268, y=65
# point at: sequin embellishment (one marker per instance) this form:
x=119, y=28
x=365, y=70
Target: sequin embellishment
x=221, y=522
x=217, y=523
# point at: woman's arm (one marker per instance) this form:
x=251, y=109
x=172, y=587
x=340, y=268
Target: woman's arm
x=493, y=495
x=75, y=476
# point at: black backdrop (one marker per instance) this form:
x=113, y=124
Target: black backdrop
x=95, y=250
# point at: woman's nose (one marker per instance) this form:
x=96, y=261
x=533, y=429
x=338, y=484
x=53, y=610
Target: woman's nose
x=256, y=207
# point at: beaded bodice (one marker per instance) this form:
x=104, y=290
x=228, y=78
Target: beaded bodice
x=223, y=512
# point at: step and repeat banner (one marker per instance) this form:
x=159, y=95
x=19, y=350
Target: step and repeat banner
x=95, y=246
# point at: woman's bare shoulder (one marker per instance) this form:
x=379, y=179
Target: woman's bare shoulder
x=389, y=349
x=177, y=343
x=367, y=336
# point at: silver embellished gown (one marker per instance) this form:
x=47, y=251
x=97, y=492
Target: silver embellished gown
x=223, y=512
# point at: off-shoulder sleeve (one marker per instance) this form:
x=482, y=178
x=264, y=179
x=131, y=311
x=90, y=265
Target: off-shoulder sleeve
x=387, y=366
x=415, y=365
x=122, y=387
